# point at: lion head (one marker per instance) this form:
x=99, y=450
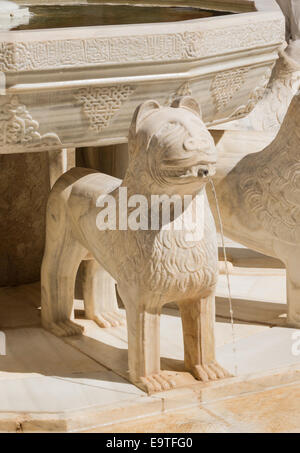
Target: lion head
x=171, y=144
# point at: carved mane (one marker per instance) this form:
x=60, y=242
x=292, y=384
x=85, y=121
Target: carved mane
x=271, y=187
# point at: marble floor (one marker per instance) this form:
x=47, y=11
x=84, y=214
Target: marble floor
x=81, y=383
x=269, y=411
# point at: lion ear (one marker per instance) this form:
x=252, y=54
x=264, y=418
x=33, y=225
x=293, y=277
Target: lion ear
x=187, y=102
x=142, y=111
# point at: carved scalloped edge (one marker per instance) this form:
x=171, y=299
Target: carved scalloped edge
x=19, y=129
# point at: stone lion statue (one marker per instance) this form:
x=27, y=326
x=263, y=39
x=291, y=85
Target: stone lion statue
x=260, y=203
x=171, y=153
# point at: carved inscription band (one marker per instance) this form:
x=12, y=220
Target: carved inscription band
x=53, y=54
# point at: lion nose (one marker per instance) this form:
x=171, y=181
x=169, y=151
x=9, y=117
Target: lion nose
x=189, y=144
x=202, y=172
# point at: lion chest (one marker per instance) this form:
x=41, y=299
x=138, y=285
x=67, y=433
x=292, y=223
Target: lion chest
x=170, y=263
x=181, y=267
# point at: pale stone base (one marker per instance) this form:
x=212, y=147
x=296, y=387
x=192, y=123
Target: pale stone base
x=275, y=410
x=80, y=384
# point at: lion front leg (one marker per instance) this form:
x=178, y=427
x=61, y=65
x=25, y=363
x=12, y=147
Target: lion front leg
x=143, y=325
x=290, y=256
x=198, y=318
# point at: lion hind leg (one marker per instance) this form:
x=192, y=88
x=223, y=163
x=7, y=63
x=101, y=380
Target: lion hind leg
x=99, y=293
x=63, y=254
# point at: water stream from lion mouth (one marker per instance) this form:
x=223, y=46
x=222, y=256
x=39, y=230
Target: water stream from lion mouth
x=227, y=277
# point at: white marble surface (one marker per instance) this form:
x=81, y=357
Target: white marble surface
x=267, y=350
x=43, y=374
x=57, y=394
x=259, y=347
x=268, y=288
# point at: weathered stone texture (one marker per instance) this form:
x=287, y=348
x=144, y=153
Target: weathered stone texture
x=24, y=188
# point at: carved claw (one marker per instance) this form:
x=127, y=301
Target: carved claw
x=209, y=372
x=158, y=382
x=109, y=319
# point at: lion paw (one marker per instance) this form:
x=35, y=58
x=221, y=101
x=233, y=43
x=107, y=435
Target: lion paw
x=65, y=328
x=158, y=382
x=209, y=372
x=109, y=319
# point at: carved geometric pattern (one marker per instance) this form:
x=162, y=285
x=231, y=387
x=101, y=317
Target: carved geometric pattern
x=65, y=53
x=226, y=84
x=255, y=96
x=183, y=90
x=17, y=127
x=100, y=104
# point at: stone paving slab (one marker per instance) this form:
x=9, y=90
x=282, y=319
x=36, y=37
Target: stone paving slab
x=273, y=410
x=78, y=384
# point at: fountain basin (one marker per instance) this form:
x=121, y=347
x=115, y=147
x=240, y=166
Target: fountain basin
x=72, y=85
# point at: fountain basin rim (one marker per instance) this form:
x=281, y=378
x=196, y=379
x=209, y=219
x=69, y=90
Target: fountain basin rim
x=108, y=31
x=262, y=7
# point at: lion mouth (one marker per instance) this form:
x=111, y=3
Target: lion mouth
x=201, y=170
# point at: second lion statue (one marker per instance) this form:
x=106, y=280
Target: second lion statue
x=171, y=153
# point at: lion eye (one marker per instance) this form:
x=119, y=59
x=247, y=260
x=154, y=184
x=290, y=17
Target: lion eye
x=172, y=125
x=189, y=144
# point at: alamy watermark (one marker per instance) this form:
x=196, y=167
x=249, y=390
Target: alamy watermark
x=156, y=212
